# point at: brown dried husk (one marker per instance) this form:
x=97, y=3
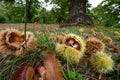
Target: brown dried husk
x=93, y=45
x=12, y=42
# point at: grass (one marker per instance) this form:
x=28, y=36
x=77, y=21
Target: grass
x=81, y=71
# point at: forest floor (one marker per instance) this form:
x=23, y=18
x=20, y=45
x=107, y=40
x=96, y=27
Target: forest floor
x=8, y=65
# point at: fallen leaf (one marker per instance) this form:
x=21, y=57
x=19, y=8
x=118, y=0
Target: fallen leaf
x=41, y=71
x=24, y=73
x=118, y=66
x=53, y=71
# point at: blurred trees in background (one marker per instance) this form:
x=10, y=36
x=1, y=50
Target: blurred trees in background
x=13, y=11
x=108, y=13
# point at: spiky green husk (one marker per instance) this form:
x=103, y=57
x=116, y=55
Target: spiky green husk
x=60, y=48
x=101, y=62
x=78, y=39
x=70, y=53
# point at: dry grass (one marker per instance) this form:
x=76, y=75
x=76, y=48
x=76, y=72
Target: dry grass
x=31, y=27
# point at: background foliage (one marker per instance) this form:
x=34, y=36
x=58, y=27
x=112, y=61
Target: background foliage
x=108, y=13
x=13, y=11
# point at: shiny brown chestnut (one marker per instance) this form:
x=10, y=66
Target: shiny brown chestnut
x=73, y=43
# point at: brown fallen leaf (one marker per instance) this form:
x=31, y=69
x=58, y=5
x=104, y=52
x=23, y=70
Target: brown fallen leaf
x=53, y=71
x=24, y=73
x=118, y=66
x=41, y=71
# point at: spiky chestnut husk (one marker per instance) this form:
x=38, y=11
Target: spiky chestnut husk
x=58, y=38
x=94, y=33
x=108, y=39
x=101, y=33
x=30, y=41
x=74, y=41
x=81, y=30
x=60, y=48
x=72, y=54
x=117, y=33
x=93, y=45
x=101, y=62
x=10, y=42
x=69, y=51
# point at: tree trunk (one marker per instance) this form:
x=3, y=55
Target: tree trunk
x=77, y=6
x=77, y=13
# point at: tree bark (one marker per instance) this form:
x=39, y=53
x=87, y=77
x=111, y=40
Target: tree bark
x=77, y=6
x=77, y=13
